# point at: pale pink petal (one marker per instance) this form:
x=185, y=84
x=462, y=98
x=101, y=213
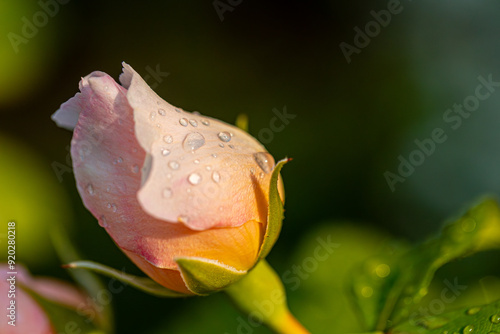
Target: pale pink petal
x=30, y=317
x=198, y=171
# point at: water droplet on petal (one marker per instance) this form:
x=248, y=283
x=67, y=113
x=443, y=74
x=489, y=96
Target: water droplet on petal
x=193, y=122
x=196, y=161
x=183, y=121
x=103, y=222
x=194, y=178
x=118, y=161
x=152, y=115
x=214, y=155
x=208, y=167
x=468, y=329
x=167, y=193
x=193, y=141
x=205, y=122
x=112, y=207
x=178, y=110
x=224, y=136
x=473, y=310
x=231, y=146
x=168, y=139
x=90, y=189
x=495, y=318
x=162, y=112
x=265, y=161
x=216, y=177
x=183, y=219
x=165, y=152
x=221, y=145
x=174, y=165
x=135, y=169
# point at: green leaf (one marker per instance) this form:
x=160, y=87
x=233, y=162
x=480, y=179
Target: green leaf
x=371, y=283
x=275, y=212
x=204, y=276
x=411, y=273
x=142, y=283
x=483, y=319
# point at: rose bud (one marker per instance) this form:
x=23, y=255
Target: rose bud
x=169, y=186
x=25, y=311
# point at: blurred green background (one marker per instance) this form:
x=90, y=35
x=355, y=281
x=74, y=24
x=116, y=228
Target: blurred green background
x=353, y=120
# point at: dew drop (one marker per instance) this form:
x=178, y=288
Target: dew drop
x=167, y=193
x=221, y=145
x=468, y=225
x=208, y=167
x=90, y=189
x=367, y=292
x=265, y=161
x=112, y=207
x=103, y=222
x=193, y=122
x=178, y=110
x=165, y=152
x=168, y=139
x=196, y=161
x=224, y=136
x=118, y=161
x=183, y=121
x=231, y=146
x=214, y=155
x=205, y=122
x=216, y=177
x=174, y=165
x=193, y=141
x=152, y=115
x=183, y=219
x=194, y=178
x=135, y=169
x=162, y=112
x=495, y=318
x=468, y=329
x=382, y=270
x=473, y=310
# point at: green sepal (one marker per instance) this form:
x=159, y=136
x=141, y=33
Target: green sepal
x=65, y=319
x=142, y=283
x=275, y=212
x=481, y=319
x=203, y=276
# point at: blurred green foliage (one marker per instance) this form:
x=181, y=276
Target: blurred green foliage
x=352, y=122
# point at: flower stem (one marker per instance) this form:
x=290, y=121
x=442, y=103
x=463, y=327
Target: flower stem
x=261, y=296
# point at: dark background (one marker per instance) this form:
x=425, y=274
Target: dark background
x=353, y=119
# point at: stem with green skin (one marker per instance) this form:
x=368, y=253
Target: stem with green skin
x=261, y=295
